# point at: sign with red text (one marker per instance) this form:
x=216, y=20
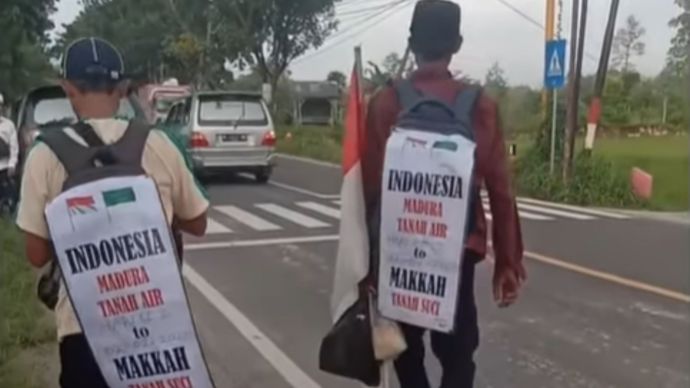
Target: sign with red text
x=119, y=264
x=424, y=210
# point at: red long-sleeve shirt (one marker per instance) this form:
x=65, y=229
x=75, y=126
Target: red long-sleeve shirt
x=491, y=166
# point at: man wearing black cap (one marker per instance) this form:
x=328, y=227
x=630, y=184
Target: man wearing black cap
x=93, y=79
x=434, y=39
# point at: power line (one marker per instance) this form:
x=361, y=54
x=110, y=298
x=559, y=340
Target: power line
x=531, y=20
x=363, y=10
x=347, y=3
x=392, y=9
x=521, y=14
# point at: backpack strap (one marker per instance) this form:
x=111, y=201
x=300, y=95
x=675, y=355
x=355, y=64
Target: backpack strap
x=408, y=95
x=129, y=149
x=73, y=156
x=87, y=133
x=464, y=107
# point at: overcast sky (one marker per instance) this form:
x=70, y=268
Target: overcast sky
x=493, y=32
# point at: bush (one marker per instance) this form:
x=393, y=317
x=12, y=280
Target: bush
x=595, y=181
x=321, y=143
x=23, y=322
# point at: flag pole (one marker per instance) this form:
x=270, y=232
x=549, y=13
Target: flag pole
x=359, y=70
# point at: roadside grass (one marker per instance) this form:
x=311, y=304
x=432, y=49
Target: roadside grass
x=321, y=143
x=666, y=158
x=27, y=334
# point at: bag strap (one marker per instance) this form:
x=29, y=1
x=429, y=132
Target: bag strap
x=464, y=105
x=73, y=156
x=86, y=132
x=408, y=95
x=129, y=149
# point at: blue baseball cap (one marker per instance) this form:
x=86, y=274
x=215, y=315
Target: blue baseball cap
x=92, y=59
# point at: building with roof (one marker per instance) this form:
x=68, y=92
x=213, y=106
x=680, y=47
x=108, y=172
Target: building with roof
x=316, y=102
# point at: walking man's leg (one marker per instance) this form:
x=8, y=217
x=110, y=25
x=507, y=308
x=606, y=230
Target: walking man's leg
x=455, y=351
x=409, y=366
x=79, y=368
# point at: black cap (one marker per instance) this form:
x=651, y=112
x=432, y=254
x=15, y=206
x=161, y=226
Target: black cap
x=92, y=59
x=435, y=26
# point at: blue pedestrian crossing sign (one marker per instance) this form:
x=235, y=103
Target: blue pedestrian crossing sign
x=554, y=70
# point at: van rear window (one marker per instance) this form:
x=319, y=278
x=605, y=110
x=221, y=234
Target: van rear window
x=231, y=110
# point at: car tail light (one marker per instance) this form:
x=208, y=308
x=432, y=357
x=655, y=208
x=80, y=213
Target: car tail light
x=198, y=140
x=269, y=139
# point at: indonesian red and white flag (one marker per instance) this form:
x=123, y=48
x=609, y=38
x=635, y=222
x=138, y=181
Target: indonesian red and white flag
x=352, y=263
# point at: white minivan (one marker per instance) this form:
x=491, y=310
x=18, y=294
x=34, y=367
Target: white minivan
x=226, y=132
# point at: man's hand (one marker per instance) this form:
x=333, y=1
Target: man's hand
x=507, y=283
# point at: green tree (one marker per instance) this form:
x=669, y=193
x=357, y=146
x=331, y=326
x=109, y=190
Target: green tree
x=270, y=34
x=627, y=43
x=392, y=62
x=677, y=58
x=23, y=61
x=495, y=81
x=338, y=78
x=138, y=29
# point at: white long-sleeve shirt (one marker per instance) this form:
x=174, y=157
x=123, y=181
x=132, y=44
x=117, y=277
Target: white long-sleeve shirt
x=8, y=133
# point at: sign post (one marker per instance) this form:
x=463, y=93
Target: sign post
x=554, y=79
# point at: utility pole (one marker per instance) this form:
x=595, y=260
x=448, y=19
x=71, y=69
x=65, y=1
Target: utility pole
x=548, y=35
x=664, y=112
x=594, y=114
x=576, y=52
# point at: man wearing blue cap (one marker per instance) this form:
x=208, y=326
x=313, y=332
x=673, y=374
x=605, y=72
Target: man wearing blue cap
x=93, y=79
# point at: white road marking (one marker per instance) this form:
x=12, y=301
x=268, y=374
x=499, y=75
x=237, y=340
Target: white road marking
x=554, y=212
x=522, y=214
x=260, y=242
x=294, y=188
x=303, y=191
x=338, y=202
x=215, y=227
x=292, y=373
x=594, y=212
x=247, y=218
x=310, y=161
x=319, y=208
x=292, y=216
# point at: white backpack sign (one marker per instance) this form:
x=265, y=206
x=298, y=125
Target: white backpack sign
x=427, y=194
x=120, y=269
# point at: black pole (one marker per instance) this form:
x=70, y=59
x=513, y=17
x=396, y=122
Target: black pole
x=603, y=69
x=571, y=114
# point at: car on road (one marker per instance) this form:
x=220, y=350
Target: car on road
x=47, y=107
x=226, y=131
x=160, y=98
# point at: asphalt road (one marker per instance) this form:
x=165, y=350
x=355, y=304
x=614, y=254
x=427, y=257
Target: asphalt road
x=606, y=303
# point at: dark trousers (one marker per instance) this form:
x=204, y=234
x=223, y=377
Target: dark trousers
x=8, y=193
x=79, y=368
x=455, y=351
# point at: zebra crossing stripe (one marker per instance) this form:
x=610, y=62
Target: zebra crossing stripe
x=319, y=208
x=338, y=202
x=215, y=227
x=594, y=212
x=522, y=214
x=291, y=215
x=247, y=218
x=554, y=212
